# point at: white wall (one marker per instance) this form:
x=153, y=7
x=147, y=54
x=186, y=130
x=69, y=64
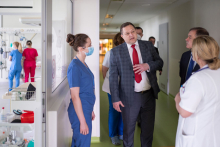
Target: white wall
x=86, y=20
x=194, y=13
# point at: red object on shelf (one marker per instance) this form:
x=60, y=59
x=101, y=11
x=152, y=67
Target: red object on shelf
x=27, y=117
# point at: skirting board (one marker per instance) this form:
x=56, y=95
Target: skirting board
x=170, y=95
x=95, y=139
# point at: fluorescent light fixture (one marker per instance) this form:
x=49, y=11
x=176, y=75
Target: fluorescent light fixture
x=33, y=21
x=16, y=3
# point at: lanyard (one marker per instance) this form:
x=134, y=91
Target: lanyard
x=90, y=73
x=201, y=69
x=196, y=72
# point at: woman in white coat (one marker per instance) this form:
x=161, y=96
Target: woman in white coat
x=198, y=101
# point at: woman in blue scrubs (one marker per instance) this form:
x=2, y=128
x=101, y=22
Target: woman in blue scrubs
x=81, y=83
x=15, y=69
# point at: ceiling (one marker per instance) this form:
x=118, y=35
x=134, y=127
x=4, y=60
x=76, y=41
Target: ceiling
x=135, y=11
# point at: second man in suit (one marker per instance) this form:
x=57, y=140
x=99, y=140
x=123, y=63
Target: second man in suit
x=135, y=62
x=187, y=65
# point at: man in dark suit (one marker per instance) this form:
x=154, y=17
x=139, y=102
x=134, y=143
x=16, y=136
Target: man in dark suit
x=133, y=84
x=187, y=65
x=152, y=39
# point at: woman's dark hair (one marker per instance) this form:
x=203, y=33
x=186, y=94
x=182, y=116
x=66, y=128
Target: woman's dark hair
x=29, y=42
x=118, y=39
x=78, y=40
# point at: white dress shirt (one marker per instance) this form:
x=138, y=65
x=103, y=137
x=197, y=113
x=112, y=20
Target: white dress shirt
x=145, y=83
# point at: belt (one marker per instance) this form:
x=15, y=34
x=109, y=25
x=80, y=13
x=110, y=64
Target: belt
x=142, y=92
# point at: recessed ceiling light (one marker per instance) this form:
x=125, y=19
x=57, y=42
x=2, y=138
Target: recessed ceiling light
x=109, y=16
x=105, y=24
x=145, y=5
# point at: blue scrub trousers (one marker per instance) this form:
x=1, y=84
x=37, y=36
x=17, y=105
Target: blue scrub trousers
x=78, y=139
x=115, y=123
x=11, y=75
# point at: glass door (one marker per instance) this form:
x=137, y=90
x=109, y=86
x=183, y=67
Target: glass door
x=56, y=55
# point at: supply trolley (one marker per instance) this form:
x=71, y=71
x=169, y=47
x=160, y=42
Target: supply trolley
x=22, y=127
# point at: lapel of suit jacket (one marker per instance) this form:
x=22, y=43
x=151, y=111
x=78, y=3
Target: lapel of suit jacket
x=126, y=54
x=143, y=50
x=196, y=68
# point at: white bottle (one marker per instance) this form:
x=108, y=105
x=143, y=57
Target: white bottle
x=3, y=117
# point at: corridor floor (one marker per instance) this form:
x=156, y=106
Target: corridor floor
x=165, y=123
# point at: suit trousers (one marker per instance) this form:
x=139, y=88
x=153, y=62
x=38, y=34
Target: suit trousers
x=144, y=104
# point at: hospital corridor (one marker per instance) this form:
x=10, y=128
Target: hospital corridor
x=105, y=73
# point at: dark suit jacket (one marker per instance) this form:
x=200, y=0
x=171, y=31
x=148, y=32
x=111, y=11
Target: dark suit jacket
x=158, y=54
x=121, y=65
x=157, y=50
x=184, y=62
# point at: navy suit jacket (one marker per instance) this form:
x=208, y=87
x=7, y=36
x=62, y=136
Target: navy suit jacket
x=184, y=62
x=121, y=66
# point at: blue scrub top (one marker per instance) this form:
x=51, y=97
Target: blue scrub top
x=79, y=75
x=16, y=60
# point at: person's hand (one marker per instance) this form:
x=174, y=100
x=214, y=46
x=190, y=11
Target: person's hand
x=116, y=106
x=139, y=68
x=84, y=129
x=160, y=72
x=93, y=115
x=177, y=98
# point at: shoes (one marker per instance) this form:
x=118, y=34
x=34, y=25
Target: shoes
x=121, y=137
x=115, y=140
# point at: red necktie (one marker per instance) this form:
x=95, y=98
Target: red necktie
x=138, y=77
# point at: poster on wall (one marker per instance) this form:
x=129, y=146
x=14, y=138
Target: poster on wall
x=58, y=50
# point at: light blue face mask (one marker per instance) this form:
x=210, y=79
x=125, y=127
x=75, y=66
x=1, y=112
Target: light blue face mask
x=91, y=50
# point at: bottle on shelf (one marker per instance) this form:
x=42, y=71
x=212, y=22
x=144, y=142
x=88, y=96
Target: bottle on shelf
x=3, y=117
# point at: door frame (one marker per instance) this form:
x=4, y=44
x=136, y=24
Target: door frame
x=47, y=95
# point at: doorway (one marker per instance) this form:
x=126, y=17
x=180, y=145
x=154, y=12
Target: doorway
x=164, y=53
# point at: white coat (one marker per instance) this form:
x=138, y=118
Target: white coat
x=200, y=95
x=106, y=63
